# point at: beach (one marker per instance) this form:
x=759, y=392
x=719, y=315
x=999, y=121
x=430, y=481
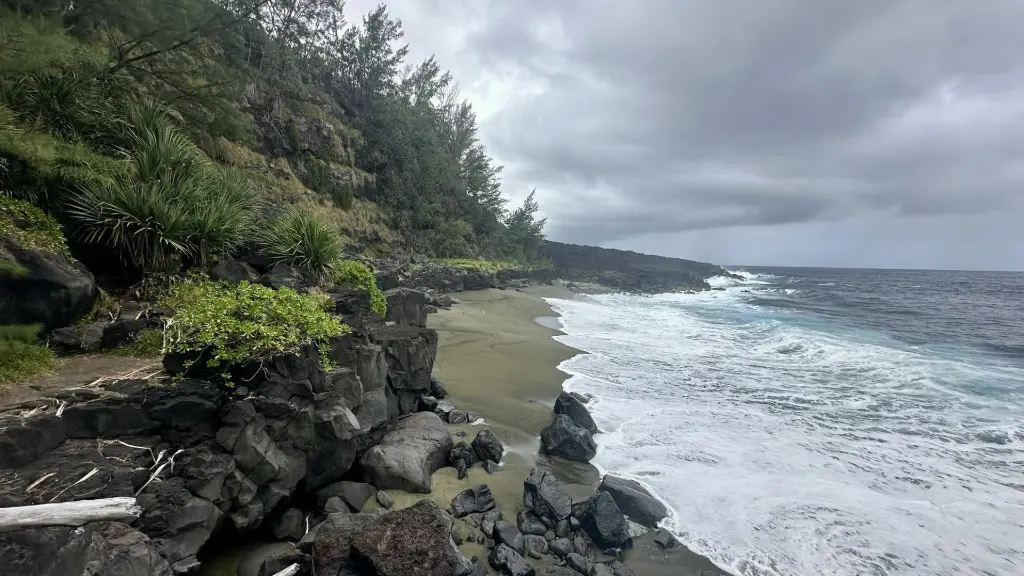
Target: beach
x=499, y=362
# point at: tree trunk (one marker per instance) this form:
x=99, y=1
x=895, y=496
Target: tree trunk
x=67, y=513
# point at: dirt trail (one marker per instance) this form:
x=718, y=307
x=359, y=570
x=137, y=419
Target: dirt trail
x=78, y=371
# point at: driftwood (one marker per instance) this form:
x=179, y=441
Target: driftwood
x=289, y=571
x=67, y=513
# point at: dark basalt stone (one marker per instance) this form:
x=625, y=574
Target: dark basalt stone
x=571, y=406
x=634, y=500
x=475, y=499
x=563, y=438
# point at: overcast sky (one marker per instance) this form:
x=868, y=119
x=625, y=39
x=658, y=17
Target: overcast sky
x=875, y=133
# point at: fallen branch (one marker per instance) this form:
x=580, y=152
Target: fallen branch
x=67, y=513
x=289, y=571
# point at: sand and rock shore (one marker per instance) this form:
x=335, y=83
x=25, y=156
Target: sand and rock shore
x=370, y=467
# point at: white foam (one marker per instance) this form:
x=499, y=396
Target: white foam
x=789, y=451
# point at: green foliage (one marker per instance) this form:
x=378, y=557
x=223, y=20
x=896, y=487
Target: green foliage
x=488, y=266
x=524, y=233
x=358, y=275
x=304, y=239
x=172, y=206
x=21, y=356
x=245, y=322
x=27, y=226
x=149, y=343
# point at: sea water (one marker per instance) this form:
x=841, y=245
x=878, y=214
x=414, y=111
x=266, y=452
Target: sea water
x=818, y=421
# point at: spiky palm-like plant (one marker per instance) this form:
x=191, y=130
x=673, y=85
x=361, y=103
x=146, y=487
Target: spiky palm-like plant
x=306, y=240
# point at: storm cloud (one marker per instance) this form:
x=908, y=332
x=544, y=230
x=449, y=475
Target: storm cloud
x=874, y=133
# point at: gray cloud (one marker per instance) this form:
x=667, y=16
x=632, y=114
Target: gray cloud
x=662, y=117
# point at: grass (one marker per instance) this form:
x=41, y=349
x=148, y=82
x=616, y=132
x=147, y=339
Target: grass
x=488, y=266
x=27, y=226
x=306, y=240
x=149, y=343
x=21, y=356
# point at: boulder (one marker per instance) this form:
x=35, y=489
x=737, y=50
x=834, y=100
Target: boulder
x=472, y=500
x=577, y=562
x=410, y=542
x=98, y=548
x=24, y=440
x=49, y=289
x=409, y=353
x=437, y=389
x=406, y=307
x=602, y=520
x=232, y=271
x=620, y=569
x=563, y=438
x=281, y=276
x=385, y=499
x=544, y=496
x=571, y=406
x=122, y=332
x=534, y=545
x=529, y=523
x=601, y=570
x=85, y=338
x=634, y=500
x=354, y=494
x=427, y=404
x=487, y=522
x=507, y=533
x=335, y=505
x=665, y=539
x=179, y=522
x=332, y=543
x=457, y=417
x=487, y=446
x=491, y=467
x=408, y=454
x=254, y=559
x=509, y=562
x=561, y=547
x=290, y=525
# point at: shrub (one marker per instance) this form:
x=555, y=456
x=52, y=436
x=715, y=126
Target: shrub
x=173, y=205
x=244, y=322
x=358, y=275
x=28, y=227
x=306, y=240
x=150, y=342
x=21, y=356
x=487, y=266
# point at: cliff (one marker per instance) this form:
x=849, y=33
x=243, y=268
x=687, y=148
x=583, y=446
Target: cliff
x=626, y=270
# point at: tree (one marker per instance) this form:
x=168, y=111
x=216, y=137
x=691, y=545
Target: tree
x=524, y=232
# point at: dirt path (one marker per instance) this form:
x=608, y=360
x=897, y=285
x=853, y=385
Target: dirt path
x=79, y=371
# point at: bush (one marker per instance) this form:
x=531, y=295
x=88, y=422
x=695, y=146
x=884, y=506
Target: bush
x=306, y=240
x=149, y=343
x=21, y=357
x=27, y=226
x=358, y=275
x=174, y=205
x=244, y=322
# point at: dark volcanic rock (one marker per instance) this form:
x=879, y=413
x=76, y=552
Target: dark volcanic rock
x=232, y=271
x=437, y=389
x=457, y=417
x=487, y=522
x=487, y=446
x=560, y=546
x=84, y=338
x=281, y=276
x=603, y=521
x=475, y=499
x=462, y=451
x=250, y=564
x=509, y=562
x=332, y=544
x=122, y=332
x=51, y=291
x=577, y=562
x=410, y=542
x=665, y=539
x=385, y=500
x=427, y=404
x=99, y=548
x=563, y=438
x=24, y=440
x=179, y=522
x=409, y=352
x=353, y=494
x=406, y=307
x=569, y=405
x=492, y=467
x=634, y=500
x=543, y=495
x=529, y=523
x=290, y=525
x=535, y=545
x=507, y=533
x=408, y=454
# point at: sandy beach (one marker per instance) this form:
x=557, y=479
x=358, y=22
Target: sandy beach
x=499, y=362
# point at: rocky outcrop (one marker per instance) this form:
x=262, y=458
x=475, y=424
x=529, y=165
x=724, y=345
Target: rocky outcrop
x=509, y=562
x=406, y=307
x=473, y=500
x=410, y=452
x=233, y=271
x=410, y=542
x=332, y=542
x=48, y=289
x=634, y=500
x=487, y=446
x=571, y=406
x=563, y=438
x=602, y=520
x=99, y=548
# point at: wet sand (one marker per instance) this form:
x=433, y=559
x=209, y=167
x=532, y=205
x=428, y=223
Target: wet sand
x=499, y=361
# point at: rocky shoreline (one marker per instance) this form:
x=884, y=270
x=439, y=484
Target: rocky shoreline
x=304, y=455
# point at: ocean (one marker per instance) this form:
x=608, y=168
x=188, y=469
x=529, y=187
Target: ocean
x=819, y=421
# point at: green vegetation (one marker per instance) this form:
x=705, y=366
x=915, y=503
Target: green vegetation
x=488, y=266
x=357, y=275
x=25, y=225
x=244, y=322
x=149, y=343
x=21, y=356
x=306, y=240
